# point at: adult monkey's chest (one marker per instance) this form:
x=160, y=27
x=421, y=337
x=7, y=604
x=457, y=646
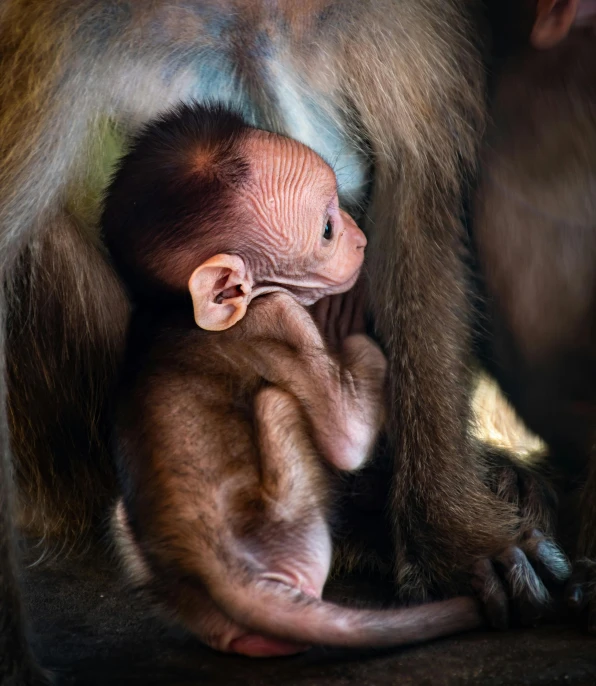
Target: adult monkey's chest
x=259, y=62
x=269, y=60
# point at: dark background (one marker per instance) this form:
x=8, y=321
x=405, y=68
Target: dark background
x=93, y=631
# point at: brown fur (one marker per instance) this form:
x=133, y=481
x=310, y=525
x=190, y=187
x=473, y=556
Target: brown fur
x=429, y=151
x=175, y=200
x=401, y=81
x=225, y=491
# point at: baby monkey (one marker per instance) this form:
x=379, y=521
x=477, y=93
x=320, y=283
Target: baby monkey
x=234, y=411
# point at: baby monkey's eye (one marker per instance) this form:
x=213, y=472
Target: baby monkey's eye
x=328, y=231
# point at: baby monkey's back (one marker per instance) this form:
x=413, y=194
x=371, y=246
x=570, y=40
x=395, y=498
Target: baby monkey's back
x=222, y=461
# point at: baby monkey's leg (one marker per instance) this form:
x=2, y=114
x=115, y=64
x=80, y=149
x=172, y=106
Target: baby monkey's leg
x=295, y=492
x=343, y=401
x=340, y=393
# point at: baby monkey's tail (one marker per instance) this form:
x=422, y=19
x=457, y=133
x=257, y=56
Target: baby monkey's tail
x=284, y=613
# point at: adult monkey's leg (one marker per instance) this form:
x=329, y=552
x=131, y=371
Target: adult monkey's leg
x=445, y=517
x=17, y=665
x=62, y=314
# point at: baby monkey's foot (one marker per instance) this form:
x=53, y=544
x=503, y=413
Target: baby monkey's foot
x=514, y=585
x=255, y=645
x=581, y=592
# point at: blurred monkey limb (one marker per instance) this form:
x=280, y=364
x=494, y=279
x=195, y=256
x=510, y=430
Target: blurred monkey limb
x=534, y=229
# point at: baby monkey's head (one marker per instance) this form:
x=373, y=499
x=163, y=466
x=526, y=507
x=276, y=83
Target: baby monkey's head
x=205, y=204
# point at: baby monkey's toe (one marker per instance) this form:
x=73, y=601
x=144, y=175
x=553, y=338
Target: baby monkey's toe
x=254, y=645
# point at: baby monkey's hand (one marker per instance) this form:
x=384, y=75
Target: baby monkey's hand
x=340, y=316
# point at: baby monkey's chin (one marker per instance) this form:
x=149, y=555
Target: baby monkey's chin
x=310, y=295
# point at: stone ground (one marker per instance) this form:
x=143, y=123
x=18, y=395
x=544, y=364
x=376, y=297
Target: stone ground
x=92, y=632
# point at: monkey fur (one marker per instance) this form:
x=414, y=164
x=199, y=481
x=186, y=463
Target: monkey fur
x=391, y=93
x=221, y=434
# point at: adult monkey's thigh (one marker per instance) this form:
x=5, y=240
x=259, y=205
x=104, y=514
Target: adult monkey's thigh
x=400, y=80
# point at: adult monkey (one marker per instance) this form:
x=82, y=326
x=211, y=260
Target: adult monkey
x=384, y=89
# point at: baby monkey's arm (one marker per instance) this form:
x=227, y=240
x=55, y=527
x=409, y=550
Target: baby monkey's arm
x=360, y=408
x=341, y=394
x=363, y=366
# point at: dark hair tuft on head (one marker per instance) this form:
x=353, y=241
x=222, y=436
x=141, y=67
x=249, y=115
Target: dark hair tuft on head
x=170, y=199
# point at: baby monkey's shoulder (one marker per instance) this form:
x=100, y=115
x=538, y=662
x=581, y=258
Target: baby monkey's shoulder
x=279, y=318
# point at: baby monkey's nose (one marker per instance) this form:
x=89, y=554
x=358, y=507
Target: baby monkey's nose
x=361, y=240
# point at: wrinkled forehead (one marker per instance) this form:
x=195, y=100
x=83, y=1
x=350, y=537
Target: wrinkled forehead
x=288, y=162
x=286, y=198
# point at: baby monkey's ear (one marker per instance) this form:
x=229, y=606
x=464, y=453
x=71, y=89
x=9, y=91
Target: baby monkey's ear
x=220, y=290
